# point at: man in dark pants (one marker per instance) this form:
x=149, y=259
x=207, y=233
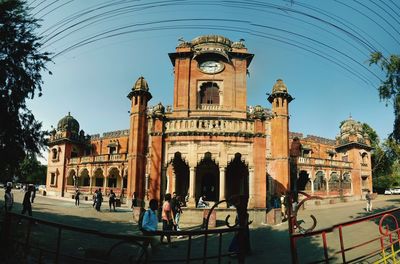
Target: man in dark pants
x=27, y=206
x=26, y=203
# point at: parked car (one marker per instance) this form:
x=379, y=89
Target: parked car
x=388, y=191
x=18, y=185
x=396, y=191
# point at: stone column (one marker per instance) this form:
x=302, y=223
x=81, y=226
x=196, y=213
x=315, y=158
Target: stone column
x=221, y=184
x=105, y=185
x=312, y=186
x=146, y=186
x=163, y=180
x=173, y=189
x=252, y=197
x=327, y=186
x=90, y=184
x=192, y=187
x=168, y=182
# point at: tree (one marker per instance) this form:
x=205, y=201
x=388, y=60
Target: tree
x=389, y=90
x=21, y=66
x=31, y=171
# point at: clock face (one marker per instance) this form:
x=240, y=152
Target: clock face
x=211, y=66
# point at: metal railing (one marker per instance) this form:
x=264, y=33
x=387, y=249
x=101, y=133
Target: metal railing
x=337, y=244
x=39, y=248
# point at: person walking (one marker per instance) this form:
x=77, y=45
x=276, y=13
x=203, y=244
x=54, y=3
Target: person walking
x=368, y=197
x=94, y=198
x=111, y=200
x=26, y=203
x=150, y=223
x=33, y=192
x=150, y=220
x=167, y=217
x=99, y=199
x=177, y=210
x=8, y=199
x=134, y=200
x=77, y=194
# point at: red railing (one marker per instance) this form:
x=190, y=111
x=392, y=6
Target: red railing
x=369, y=239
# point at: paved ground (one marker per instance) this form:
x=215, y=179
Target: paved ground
x=269, y=244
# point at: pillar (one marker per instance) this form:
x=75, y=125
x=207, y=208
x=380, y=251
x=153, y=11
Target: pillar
x=251, y=185
x=192, y=187
x=312, y=186
x=221, y=183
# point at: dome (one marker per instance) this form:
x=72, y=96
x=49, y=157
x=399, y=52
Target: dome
x=279, y=87
x=141, y=84
x=211, y=39
x=351, y=130
x=351, y=126
x=68, y=123
x=158, y=110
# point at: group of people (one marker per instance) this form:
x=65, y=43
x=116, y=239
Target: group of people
x=98, y=199
x=170, y=215
x=29, y=197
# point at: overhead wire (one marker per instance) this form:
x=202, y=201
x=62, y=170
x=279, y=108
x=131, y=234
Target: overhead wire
x=104, y=11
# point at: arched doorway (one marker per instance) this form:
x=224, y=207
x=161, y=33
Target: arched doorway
x=84, y=179
x=237, y=177
x=319, y=182
x=334, y=182
x=71, y=177
x=98, y=178
x=113, y=180
x=207, y=178
x=181, y=170
x=303, y=183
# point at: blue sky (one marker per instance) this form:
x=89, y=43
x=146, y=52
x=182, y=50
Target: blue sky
x=92, y=81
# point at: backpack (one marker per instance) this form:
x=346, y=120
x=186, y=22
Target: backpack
x=141, y=215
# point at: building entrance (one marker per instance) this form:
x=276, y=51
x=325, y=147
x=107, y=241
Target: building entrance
x=237, y=177
x=208, y=179
x=181, y=170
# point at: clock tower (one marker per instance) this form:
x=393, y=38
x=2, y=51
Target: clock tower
x=210, y=77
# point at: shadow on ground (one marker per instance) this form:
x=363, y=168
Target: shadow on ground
x=268, y=244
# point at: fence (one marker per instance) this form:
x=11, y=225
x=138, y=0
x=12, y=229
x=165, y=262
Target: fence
x=371, y=239
x=33, y=240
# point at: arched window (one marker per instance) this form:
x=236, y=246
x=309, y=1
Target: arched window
x=209, y=93
x=54, y=154
x=334, y=182
x=319, y=182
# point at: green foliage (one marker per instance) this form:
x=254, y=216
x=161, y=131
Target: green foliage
x=31, y=171
x=386, y=164
x=373, y=136
x=21, y=65
x=389, y=90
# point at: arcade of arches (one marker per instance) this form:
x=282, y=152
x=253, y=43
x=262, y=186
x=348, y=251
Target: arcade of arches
x=211, y=180
x=88, y=183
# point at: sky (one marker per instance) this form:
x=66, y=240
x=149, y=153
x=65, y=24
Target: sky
x=319, y=48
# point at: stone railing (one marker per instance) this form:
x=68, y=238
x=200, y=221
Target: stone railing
x=210, y=107
x=211, y=125
x=323, y=162
x=98, y=158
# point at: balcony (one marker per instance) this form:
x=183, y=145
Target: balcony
x=211, y=125
x=323, y=162
x=97, y=159
x=210, y=107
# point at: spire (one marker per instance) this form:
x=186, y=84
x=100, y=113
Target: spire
x=279, y=90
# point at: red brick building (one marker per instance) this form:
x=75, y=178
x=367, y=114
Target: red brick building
x=209, y=142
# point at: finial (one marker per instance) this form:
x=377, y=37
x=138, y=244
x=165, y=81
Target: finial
x=69, y=113
x=350, y=117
